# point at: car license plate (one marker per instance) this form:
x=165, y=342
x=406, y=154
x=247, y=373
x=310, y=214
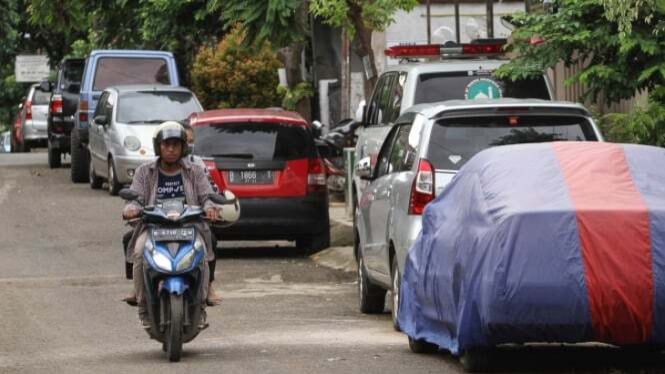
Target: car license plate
x=173, y=235
x=250, y=176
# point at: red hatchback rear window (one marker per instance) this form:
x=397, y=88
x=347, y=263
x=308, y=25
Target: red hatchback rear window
x=254, y=141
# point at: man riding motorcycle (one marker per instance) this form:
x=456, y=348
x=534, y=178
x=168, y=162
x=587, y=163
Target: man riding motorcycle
x=171, y=176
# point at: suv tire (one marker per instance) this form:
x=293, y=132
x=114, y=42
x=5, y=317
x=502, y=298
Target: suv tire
x=371, y=298
x=421, y=346
x=80, y=159
x=54, y=156
x=95, y=181
x=313, y=244
x=396, y=278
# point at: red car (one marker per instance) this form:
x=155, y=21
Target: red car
x=268, y=158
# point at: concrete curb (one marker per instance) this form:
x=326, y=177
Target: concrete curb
x=340, y=254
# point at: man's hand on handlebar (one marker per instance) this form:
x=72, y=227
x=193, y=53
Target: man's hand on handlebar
x=131, y=212
x=212, y=214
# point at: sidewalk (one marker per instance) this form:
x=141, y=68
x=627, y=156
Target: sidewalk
x=340, y=254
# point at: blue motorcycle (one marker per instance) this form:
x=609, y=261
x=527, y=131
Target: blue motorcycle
x=173, y=261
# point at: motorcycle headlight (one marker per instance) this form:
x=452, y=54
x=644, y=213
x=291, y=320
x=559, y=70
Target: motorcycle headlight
x=162, y=261
x=186, y=261
x=132, y=143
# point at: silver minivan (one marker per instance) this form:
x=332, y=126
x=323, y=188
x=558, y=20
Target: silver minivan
x=422, y=153
x=120, y=137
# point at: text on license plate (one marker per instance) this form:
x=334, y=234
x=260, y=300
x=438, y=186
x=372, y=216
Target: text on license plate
x=173, y=235
x=250, y=176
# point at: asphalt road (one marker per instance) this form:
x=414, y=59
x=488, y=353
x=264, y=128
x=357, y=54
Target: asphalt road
x=61, y=279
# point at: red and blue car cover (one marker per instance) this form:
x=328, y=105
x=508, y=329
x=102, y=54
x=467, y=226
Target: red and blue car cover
x=548, y=242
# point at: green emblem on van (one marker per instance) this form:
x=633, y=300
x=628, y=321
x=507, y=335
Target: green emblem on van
x=482, y=88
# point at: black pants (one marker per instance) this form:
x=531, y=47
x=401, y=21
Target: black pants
x=128, y=267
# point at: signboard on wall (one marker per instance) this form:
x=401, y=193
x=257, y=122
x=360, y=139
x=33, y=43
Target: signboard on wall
x=31, y=68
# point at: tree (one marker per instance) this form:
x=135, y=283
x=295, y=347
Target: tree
x=360, y=18
x=232, y=75
x=285, y=24
x=616, y=64
x=621, y=47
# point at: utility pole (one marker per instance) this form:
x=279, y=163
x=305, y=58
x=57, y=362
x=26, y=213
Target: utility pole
x=457, y=21
x=429, y=22
x=490, y=18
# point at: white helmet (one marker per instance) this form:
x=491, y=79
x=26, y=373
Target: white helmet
x=230, y=211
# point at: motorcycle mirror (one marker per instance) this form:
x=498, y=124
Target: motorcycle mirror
x=128, y=194
x=360, y=112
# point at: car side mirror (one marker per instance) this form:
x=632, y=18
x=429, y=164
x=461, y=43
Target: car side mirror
x=360, y=112
x=45, y=86
x=128, y=194
x=364, y=168
x=101, y=120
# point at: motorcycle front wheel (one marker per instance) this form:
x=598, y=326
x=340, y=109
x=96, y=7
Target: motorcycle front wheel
x=173, y=336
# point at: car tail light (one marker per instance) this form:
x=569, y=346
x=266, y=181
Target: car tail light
x=422, y=190
x=316, y=176
x=83, y=110
x=28, y=110
x=56, y=104
x=210, y=164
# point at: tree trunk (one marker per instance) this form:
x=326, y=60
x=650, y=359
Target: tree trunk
x=290, y=58
x=363, y=48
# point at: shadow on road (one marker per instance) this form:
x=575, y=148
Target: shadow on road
x=571, y=358
x=259, y=250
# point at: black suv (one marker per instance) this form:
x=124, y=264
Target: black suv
x=62, y=108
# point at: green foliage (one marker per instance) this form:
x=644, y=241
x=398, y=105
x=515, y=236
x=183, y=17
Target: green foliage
x=641, y=125
x=232, y=74
x=376, y=14
x=292, y=97
x=282, y=22
x=616, y=64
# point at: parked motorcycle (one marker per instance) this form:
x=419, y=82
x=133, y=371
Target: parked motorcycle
x=173, y=264
x=331, y=148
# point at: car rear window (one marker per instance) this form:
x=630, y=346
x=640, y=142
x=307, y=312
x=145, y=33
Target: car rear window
x=436, y=87
x=115, y=71
x=254, y=141
x=454, y=141
x=155, y=106
x=40, y=97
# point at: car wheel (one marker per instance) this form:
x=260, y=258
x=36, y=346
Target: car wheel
x=95, y=181
x=80, y=158
x=421, y=346
x=475, y=360
x=396, y=282
x=371, y=298
x=54, y=159
x=114, y=185
x=313, y=244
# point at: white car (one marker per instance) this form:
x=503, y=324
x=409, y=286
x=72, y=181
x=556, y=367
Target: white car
x=460, y=72
x=120, y=134
x=422, y=153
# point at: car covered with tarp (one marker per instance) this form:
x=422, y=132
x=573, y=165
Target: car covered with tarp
x=547, y=242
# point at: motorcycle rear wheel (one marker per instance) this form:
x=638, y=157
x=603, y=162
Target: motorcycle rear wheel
x=174, y=329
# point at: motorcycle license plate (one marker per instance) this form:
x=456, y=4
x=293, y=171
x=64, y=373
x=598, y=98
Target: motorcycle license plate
x=251, y=176
x=173, y=235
